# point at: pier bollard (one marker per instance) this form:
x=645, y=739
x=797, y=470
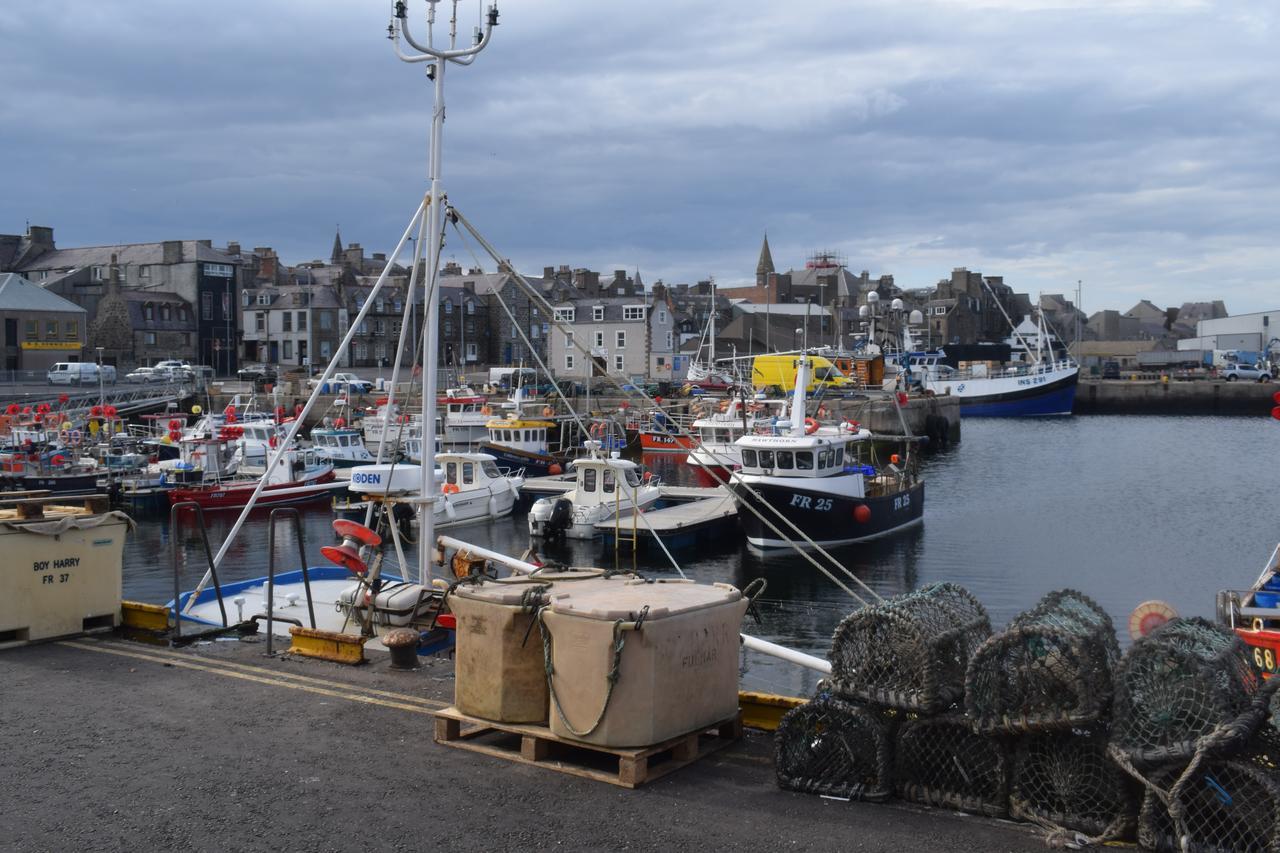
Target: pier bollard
x=403, y=645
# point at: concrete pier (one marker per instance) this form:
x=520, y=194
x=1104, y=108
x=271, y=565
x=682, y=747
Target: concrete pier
x=1155, y=396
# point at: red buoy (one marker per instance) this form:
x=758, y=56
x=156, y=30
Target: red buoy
x=862, y=513
x=554, y=468
x=1275, y=413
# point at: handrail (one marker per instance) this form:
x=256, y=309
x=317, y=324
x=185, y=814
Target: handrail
x=177, y=582
x=271, y=569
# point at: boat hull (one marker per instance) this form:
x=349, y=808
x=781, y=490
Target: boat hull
x=663, y=442
x=237, y=496
x=1010, y=397
x=510, y=460
x=827, y=519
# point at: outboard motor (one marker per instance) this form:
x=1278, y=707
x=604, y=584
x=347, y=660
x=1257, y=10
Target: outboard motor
x=561, y=518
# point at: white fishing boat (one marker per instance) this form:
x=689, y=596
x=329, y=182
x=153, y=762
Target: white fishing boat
x=342, y=446
x=465, y=414
x=717, y=433
x=470, y=487
x=605, y=489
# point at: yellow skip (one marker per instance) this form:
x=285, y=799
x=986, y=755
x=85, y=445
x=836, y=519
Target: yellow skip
x=327, y=645
x=144, y=617
x=765, y=710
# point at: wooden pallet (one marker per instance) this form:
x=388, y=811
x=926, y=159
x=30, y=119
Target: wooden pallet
x=537, y=745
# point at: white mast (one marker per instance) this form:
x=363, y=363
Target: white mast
x=439, y=58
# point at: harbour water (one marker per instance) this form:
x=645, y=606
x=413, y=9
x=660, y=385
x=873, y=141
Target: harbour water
x=1123, y=508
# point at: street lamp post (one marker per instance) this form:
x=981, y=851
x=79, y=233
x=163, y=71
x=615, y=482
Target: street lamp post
x=101, y=392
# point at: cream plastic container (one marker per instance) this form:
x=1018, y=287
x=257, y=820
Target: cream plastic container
x=678, y=672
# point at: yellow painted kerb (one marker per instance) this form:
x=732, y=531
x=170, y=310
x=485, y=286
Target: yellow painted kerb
x=144, y=617
x=327, y=645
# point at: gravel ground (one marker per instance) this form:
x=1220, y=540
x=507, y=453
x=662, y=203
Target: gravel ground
x=110, y=751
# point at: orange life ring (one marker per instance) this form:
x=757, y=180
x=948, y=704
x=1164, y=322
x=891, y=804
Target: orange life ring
x=822, y=411
x=810, y=426
x=486, y=411
x=547, y=411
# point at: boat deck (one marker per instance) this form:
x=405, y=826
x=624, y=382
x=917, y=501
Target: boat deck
x=560, y=483
x=679, y=524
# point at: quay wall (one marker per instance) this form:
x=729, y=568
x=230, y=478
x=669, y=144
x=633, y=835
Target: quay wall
x=1157, y=397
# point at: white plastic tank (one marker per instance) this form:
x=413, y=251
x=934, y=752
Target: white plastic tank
x=677, y=671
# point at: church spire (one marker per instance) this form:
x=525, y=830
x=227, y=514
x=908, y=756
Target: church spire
x=335, y=257
x=765, y=267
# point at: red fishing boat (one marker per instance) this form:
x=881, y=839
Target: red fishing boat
x=1254, y=614
x=300, y=477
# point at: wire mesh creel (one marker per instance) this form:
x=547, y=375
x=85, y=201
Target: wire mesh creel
x=1065, y=779
x=1187, y=679
x=941, y=761
x=911, y=651
x=1051, y=668
x=836, y=748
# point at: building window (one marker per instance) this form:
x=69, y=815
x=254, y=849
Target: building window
x=99, y=273
x=597, y=313
x=513, y=331
x=633, y=312
x=568, y=340
x=150, y=338
x=302, y=321
x=326, y=351
x=471, y=352
x=568, y=361
x=326, y=321
x=33, y=330
x=379, y=304
x=206, y=306
x=662, y=316
x=166, y=312
x=286, y=320
x=144, y=273
x=379, y=327
x=471, y=306
x=622, y=339
x=260, y=321
x=218, y=270
x=288, y=349
x=363, y=328
x=618, y=365
x=246, y=298
x=186, y=339
x=671, y=340
x=448, y=328
x=399, y=304
x=362, y=352
x=565, y=315
x=51, y=330
x=535, y=329
x=302, y=353
x=380, y=351
x=148, y=312
x=662, y=362
x=264, y=298
x=599, y=336
x=71, y=329
x=448, y=306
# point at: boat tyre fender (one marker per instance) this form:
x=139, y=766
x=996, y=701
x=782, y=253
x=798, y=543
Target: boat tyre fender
x=810, y=426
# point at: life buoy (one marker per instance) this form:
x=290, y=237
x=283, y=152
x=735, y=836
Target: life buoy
x=547, y=411
x=486, y=411
x=810, y=426
x=822, y=411
x=64, y=436
x=450, y=488
x=597, y=430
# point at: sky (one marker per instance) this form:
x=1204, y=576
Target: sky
x=1126, y=145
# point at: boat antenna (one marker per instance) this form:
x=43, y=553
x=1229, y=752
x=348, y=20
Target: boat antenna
x=438, y=58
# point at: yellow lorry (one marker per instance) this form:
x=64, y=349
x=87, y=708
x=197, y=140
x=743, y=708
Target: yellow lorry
x=769, y=371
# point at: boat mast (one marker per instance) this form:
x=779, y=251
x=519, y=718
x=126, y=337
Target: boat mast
x=438, y=58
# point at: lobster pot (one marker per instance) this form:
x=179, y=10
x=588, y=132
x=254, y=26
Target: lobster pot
x=909, y=652
x=941, y=761
x=1181, y=682
x=632, y=663
x=836, y=748
x=1223, y=804
x=1067, y=779
x=1051, y=668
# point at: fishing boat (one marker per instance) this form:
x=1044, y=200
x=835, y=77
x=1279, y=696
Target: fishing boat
x=299, y=477
x=664, y=433
x=341, y=445
x=470, y=487
x=605, y=489
x=1254, y=614
x=825, y=482
x=717, y=452
x=462, y=410
x=522, y=444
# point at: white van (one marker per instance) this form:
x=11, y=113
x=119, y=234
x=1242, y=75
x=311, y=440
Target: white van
x=80, y=373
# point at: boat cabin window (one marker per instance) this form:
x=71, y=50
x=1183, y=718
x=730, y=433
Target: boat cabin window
x=468, y=473
x=451, y=473
x=528, y=435
x=839, y=463
x=748, y=458
x=724, y=436
x=766, y=458
x=804, y=460
x=490, y=469
x=633, y=478
x=785, y=459
x=588, y=479
x=608, y=481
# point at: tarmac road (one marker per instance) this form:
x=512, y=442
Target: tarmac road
x=109, y=745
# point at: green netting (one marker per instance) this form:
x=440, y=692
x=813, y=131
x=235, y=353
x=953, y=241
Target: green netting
x=909, y=652
x=941, y=761
x=1186, y=680
x=1051, y=668
x=836, y=748
x=1066, y=780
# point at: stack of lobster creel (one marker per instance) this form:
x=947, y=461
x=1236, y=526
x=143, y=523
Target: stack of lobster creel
x=1193, y=722
x=1045, y=722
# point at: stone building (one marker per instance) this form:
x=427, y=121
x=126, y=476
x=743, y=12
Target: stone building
x=616, y=331
x=40, y=328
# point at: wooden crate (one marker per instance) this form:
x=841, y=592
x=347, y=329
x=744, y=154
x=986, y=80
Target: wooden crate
x=536, y=745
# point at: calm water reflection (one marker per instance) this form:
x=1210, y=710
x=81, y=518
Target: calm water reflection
x=1121, y=508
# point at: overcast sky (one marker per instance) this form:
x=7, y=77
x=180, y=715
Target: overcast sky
x=1128, y=144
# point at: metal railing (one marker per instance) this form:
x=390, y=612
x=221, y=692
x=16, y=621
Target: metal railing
x=293, y=514
x=174, y=546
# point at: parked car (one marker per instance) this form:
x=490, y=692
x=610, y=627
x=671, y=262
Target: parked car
x=1111, y=370
x=339, y=381
x=80, y=373
x=257, y=373
x=142, y=375
x=1234, y=372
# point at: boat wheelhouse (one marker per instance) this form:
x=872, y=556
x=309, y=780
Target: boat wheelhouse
x=518, y=443
x=344, y=447
x=717, y=435
x=465, y=414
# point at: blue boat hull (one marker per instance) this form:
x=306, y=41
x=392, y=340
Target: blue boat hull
x=1054, y=399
